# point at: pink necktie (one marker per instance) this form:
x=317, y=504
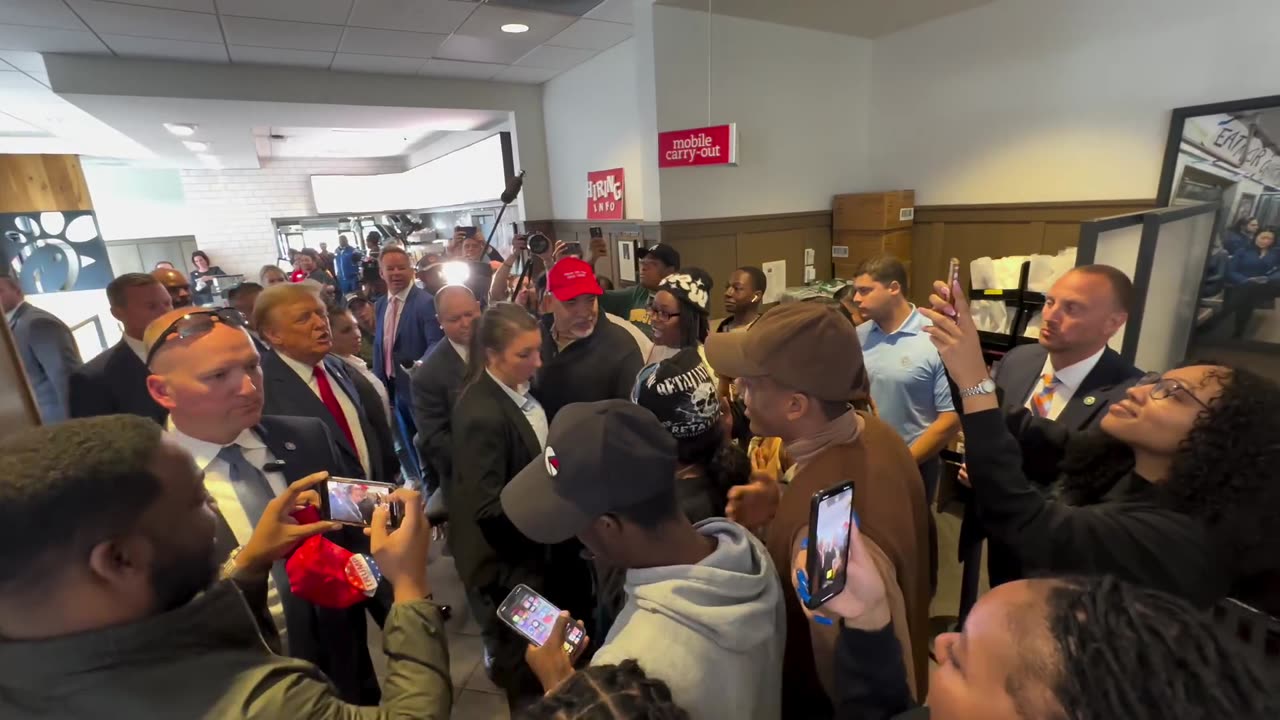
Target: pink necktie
x=389, y=336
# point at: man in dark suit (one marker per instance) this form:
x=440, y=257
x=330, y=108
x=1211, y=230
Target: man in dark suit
x=1071, y=377
x=116, y=381
x=211, y=385
x=406, y=330
x=303, y=379
x=438, y=380
x=48, y=351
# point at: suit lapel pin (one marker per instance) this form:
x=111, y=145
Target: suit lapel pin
x=291, y=446
x=1089, y=401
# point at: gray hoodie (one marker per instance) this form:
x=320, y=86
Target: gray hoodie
x=714, y=632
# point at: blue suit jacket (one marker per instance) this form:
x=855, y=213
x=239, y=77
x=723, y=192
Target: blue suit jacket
x=49, y=356
x=417, y=332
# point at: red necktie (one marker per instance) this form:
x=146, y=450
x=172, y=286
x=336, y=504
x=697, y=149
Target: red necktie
x=331, y=401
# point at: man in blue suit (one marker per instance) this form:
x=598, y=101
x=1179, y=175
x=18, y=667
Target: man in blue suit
x=47, y=349
x=407, y=328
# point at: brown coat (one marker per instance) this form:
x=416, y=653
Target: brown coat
x=889, y=500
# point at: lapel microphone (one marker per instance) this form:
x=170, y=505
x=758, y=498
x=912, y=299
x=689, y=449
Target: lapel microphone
x=273, y=466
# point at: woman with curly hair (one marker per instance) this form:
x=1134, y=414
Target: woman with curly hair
x=607, y=692
x=1180, y=492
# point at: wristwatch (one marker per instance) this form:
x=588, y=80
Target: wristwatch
x=986, y=387
x=229, y=566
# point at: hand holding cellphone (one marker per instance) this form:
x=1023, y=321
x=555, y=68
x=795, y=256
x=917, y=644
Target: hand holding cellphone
x=533, y=616
x=830, y=515
x=953, y=279
x=351, y=501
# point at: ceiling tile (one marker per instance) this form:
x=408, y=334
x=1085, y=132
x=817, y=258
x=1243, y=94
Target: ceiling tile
x=486, y=50
x=352, y=62
x=434, y=16
x=205, y=6
x=574, y=8
x=331, y=12
x=40, y=13
x=592, y=35
x=390, y=42
x=130, y=46
x=21, y=37
x=621, y=11
x=555, y=58
x=278, y=56
x=23, y=60
x=437, y=67
x=527, y=75
x=487, y=22
x=116, y=19
x=278, y=34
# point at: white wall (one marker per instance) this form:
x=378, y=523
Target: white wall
x=134, y=202
x=232, y=209
x=799, y=97
x=1046, y=100
x=592, y=118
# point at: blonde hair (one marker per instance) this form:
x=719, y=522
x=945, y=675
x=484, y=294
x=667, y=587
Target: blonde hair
x=279, y=294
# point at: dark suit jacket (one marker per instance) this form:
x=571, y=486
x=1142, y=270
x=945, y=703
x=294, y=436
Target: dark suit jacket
x=1106, y=383
x=112, y=383
x=436, y=384
x=49, y=356
x=335, y=640
x=417, y=331
x=286, y=393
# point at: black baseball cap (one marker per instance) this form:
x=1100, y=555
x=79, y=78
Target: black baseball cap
x=600, y=457
x=665, y=253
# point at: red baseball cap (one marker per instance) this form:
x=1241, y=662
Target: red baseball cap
x=570, y=278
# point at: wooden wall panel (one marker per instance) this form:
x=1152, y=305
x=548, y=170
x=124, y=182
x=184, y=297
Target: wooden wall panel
x=754, y=240
x=711, y=253
x=38, y=183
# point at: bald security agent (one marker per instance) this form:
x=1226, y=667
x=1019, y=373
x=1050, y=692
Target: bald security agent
x=437, y=382
x=177, y=284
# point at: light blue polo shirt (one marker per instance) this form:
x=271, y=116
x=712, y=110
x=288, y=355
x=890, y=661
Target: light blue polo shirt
x=908, y=380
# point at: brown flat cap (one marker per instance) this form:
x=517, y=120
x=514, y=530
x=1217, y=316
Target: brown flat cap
x=806, y=346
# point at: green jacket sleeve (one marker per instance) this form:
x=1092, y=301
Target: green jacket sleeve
x=618, y=302
x=417, y=685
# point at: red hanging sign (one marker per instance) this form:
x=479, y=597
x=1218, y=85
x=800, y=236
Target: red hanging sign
x=717, y=145
x=606, y=195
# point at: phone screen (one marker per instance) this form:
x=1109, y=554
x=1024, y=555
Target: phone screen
x=831, y=542
x=953, y=277
x=533, y=616
x=351, y=501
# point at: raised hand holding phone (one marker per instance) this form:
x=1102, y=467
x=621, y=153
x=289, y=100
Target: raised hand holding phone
x=277, y=533
x=401, y=553
x=551, y=662
x=955, y=335
x=863, y=602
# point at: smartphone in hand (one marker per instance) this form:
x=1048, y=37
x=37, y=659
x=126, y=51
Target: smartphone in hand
x=351, y=501
x=953, y=279
x=533, y=616
x=830, y=516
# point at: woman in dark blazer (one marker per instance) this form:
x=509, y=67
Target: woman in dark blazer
x=498, y=429
x=201, y=285
x=1179, y=491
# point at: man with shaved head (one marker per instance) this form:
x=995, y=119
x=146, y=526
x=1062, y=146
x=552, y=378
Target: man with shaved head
x=205, y=371
x=177, y=284
x=438, y=380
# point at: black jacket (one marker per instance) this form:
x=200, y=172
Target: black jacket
x=870, y=679
x=1127, y=531
x=436, y=384
x=286, y=393
x=602, y=366
x=114, y=382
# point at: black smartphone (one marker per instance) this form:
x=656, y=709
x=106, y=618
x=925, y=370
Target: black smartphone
x=533, y=616
x=351, y=501
x=573, y=249
x=830, y=515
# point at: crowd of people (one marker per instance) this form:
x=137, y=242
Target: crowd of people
x=1249, y=263
x=648, y=472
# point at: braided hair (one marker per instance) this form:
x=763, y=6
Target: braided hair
x=608, y=692
x=1131, y=652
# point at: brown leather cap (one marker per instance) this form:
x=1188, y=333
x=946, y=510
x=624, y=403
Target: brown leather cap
x=806, y=346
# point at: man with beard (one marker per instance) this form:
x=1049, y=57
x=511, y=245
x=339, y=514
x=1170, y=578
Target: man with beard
x=583, y=359
x=206, y=372
x=108, y=600
x=177, y=284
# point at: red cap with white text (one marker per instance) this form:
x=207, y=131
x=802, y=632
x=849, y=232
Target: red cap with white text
x=570, y=278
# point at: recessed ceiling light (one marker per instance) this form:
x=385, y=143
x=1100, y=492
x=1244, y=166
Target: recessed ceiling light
x=196, y=145
x=515, y=28
x=180, y=129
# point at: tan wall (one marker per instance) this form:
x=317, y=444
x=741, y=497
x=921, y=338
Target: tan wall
x=42, y=182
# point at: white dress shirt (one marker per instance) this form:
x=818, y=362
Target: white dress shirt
x=217, y=481
x=348, y=406
x=531, y=408
x=1069, y=379
x=138, y=347
x=463, y=351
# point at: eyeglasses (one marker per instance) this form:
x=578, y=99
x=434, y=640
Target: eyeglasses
x=195, y=324
x=661, y=314
x=1168, y=387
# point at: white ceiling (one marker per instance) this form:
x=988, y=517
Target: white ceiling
x=861, y=18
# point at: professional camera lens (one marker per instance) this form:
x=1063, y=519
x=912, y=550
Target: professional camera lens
x=539, y=243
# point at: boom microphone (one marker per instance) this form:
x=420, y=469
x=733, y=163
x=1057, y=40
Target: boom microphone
x=514, y=183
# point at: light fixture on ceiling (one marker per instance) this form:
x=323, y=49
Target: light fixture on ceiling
x=181, y=129
x=515, y=28
x=196, y=145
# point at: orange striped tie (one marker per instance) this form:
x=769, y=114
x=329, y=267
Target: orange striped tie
x=1042, y=402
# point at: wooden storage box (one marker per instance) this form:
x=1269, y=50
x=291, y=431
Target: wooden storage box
x=874, y=211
